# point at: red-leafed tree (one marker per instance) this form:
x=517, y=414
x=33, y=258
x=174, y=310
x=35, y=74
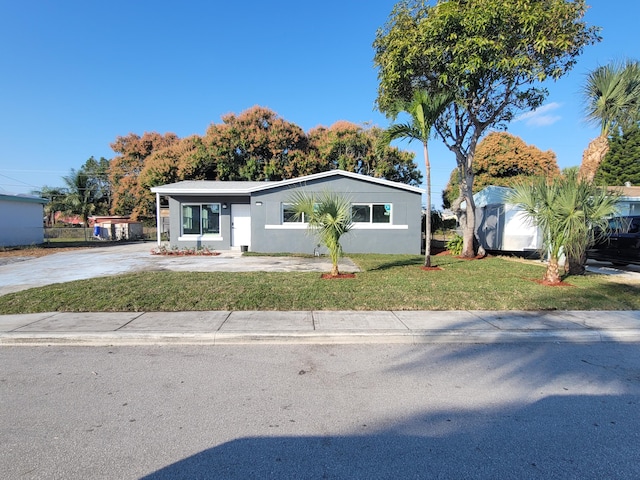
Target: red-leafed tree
x=125, y=168
x=503, y=159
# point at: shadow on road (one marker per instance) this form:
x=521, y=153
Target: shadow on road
x=586, y=437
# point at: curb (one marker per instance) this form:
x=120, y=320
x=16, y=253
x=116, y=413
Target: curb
x=328, y=338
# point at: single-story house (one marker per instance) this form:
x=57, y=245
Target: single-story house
x=116, y=228
x=257, y=216
x=21, y=220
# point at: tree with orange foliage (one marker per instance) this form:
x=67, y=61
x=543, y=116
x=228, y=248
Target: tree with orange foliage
x=125, y=168
x=257, y=145
x=351, y=147
x=503, y=159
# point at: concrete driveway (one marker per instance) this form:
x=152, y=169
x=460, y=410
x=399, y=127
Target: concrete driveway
x=21, y=273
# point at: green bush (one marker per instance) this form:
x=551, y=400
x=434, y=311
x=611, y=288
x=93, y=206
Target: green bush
x=455, y=245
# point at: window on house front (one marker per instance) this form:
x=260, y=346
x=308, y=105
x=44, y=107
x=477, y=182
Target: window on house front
x=371, y=213
x=289, y=214
x=201, y=219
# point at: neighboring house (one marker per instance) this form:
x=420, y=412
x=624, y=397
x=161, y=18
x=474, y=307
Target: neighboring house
x=21, y=220
x=502, y=226
x=116, y=228
x=257, y=216
x=629, y=201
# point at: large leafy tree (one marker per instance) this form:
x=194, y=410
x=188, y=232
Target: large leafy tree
x=423, y=110
x=328, y=216
x=132, y=152
x=355, y=148
x=570, y=212
x=256, y=144
x=612, y=97
x=503, y=159
x=489, y=54
x=622, y=162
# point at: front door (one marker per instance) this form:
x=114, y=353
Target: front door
x=240, y=225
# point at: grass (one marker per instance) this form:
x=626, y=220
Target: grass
x=387, y=282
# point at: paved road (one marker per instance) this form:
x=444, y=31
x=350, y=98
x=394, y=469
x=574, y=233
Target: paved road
x=535, y=411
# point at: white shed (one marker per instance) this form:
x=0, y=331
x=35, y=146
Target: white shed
x=21, y=220
x=502, y=226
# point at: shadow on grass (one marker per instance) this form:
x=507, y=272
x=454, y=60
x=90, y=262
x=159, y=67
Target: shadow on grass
x=404, y=262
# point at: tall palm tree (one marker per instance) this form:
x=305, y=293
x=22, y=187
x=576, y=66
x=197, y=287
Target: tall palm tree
x=424, y=111
x=81, y=197
x=328, y=217
x=570, y=212
x=57, y=202
x=612, y=97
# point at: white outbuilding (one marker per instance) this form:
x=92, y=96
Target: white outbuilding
x=21, y=220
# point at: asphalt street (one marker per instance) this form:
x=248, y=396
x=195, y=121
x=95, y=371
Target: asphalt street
x=547, y=411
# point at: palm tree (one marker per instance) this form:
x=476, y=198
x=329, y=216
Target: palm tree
x=81, y=197
x=57, y=202
x=328, y=217
x=612, y=94
x=424, y=111
x=570, y=212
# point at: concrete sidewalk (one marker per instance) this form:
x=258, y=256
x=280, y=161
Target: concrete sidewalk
x=318, y=327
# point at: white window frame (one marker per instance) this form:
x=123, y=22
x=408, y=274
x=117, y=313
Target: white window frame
x=371, y=205
x=301, y=221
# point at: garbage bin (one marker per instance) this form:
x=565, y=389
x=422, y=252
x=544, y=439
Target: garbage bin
x=244, y=248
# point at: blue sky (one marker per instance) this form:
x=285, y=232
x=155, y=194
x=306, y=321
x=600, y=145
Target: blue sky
x=76, y=74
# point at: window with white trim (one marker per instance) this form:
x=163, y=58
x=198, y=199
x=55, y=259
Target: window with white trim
x=289, y=214
x=201, y=219
x=371, y=213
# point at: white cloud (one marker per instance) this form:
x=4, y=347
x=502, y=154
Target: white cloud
x=541, y=117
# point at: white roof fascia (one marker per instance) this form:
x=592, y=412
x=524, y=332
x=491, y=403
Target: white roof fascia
x=344, y=173
x=202, y=187
x=205, y=187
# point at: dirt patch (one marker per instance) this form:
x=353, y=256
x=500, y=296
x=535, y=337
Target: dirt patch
x=429, y=269
x=550, y=284
x=328, y=276
x=32, y=252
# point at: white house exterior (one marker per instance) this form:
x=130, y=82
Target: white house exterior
x=21, y=220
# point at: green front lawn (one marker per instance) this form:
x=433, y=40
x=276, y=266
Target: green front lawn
x=387, y=282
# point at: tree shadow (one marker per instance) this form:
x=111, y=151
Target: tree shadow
x=561, y=436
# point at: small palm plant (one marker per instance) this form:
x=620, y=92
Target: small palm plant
x=569, y=211
x=328, y=217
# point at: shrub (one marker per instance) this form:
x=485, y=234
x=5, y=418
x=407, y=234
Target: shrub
x=455, y=245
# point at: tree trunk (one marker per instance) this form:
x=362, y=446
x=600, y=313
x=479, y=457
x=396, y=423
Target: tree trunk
x=552, y=275
x=469, y=218
x=427, y=246
x=576, y=264
x=593, y=157
x=334, y=270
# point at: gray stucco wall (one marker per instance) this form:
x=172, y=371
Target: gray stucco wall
x=403, y=235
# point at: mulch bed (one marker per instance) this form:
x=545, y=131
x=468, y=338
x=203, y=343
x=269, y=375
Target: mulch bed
x=328, y=276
